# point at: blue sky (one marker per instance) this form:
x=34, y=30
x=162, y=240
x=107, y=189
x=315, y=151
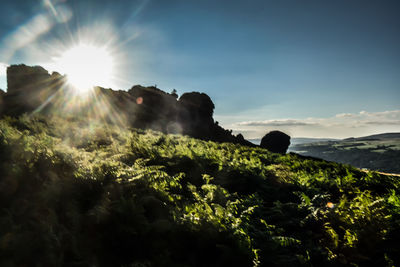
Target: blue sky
x=296, y=66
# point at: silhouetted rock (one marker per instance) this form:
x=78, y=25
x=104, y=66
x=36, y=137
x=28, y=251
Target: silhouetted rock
x=22, y=78
x=29, y=87
x=2, y=94
x=33, y=89
x=115, y=106
x=153, y=108
x=276, y=141
x=240, y=137
x=200, y=103
x=195, y=111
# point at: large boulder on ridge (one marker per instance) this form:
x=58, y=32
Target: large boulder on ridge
x=276, y=141
x=195, y=114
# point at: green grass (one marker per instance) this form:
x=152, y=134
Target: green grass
x=76, y=192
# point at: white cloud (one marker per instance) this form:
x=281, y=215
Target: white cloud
x=3, y=69
x=266, y=123
x=339, y=126
x=391, y=114
x=344, y=115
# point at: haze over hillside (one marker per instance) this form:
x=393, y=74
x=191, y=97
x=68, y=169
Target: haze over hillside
x=379, y=152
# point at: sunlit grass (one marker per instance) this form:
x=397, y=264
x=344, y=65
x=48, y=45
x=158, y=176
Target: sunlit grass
x=101, y=193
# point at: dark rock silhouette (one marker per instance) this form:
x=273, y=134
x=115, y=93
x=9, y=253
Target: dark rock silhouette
x=240, y=137
x=153, y=108
x=2, y=94
x=276, y=141
x=33, y=89
x=195, y=111
x=28, y=88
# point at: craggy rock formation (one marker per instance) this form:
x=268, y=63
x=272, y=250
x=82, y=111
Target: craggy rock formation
x=153, y=108
x=276, y=141
x=29, y=87
x=115, y=106
x=195, y=114
x=33, y=89
x=240, y=137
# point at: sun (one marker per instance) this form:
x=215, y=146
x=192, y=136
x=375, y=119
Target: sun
x=86, y=66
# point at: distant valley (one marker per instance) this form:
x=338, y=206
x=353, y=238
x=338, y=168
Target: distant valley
x=298, y=140
x=379, y=152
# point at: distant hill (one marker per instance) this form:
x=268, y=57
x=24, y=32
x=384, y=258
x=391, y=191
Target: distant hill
x=379, y=152
x=306, y=140
x=298, y=140
x=384, y=136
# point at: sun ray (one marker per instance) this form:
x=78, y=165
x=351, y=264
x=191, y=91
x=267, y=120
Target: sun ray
x=86, y=66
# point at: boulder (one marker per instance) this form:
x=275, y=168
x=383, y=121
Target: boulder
x=200, y=103
x=276, y=141
x=195, y=111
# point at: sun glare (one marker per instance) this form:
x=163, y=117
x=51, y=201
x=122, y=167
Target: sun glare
x=86, y=66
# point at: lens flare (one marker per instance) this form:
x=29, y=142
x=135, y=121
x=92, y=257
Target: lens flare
x=330, y=205
x=86, y=66
x=139, y=100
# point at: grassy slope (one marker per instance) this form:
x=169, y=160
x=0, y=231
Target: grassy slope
x=76, y=193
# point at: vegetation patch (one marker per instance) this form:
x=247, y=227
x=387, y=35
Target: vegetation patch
x=84, y=193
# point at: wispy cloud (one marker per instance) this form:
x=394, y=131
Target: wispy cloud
x=344, y=115
x=266, y=123
x=339, y=126
x=32, y=30
x=393, y=122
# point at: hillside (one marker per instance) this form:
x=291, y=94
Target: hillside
x=380, y=152
x=81, y=192
x=376, y=137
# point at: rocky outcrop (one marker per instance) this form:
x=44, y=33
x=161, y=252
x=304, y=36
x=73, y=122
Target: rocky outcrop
x=153, y=109
x=33, y=89
x=29, y=87
x=195, y=111
x=276, y=141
